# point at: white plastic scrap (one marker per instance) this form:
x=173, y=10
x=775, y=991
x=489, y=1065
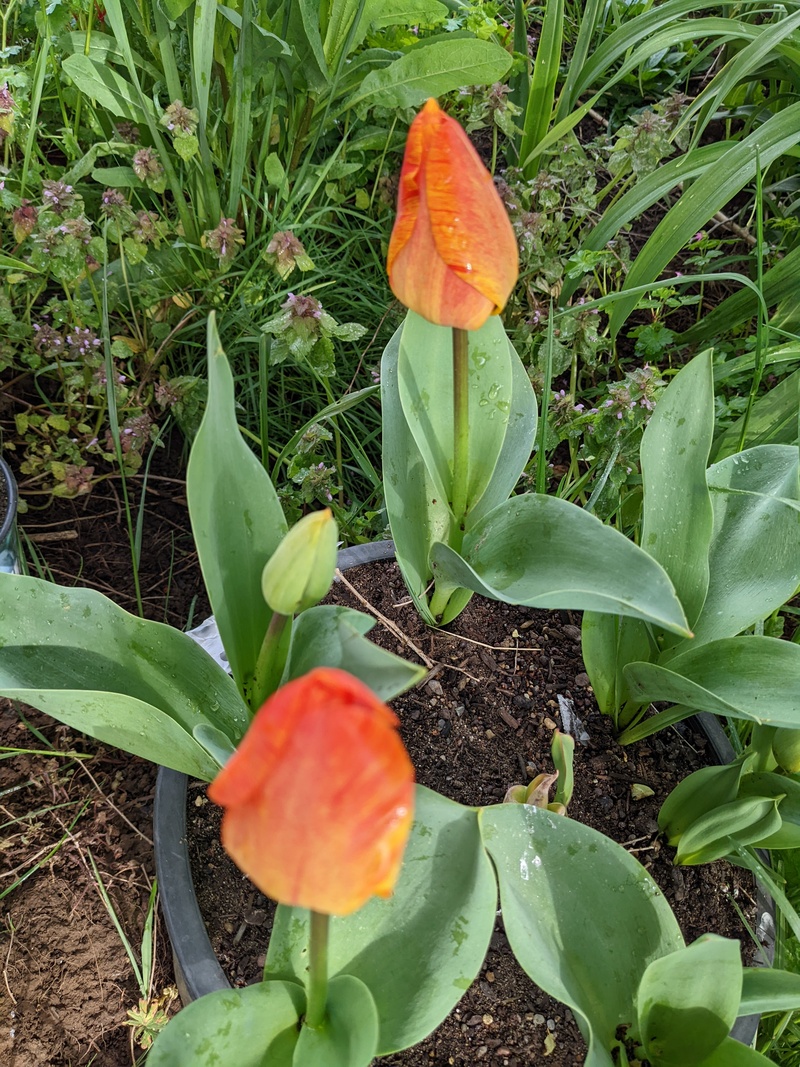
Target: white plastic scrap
x=206, y=635
x=570, y=721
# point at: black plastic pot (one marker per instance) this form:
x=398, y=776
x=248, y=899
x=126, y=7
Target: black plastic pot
x=197, y=970
x=9, y=547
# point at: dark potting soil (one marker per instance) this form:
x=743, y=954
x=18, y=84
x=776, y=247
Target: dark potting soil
x=482, y=721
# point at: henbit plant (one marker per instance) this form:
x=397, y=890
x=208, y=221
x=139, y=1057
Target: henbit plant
x=758, y=39
x=148, y=688
x=264, y=88
x=460, y=416
x=729, y=537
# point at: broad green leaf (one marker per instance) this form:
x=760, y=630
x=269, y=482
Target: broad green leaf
x=333, y=636
x=217, y=744
x=695, y=795
x=770, y=784
x=520, y=433
x=303, y=35
x=608, y=643
x=744, y=821
x=237, y=520
x=733, y=1053
x=247, y=1027
x=116, y=177
x=754, y=560
x=124, y=722
x=501, y=405
x=765, y=989
x=752, y=678
x=707, y=195
x=773, y=419
x=407, y=13
x=341, y=16
x=174, y=8
x=583, y=917
x=421, y=949
x=687, y=1001
x=103, y=48
x=438, y=68
x=100, y=82
x=349, y=1035
x=418, y=513
x=678, y=520
x=136, y=684
x=543, y=551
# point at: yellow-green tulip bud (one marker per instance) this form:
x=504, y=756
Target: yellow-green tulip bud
x=786, y=749
x=300, y=571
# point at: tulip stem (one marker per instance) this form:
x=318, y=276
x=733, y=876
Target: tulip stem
x=317, y=971
x=269, y=666
x=460, y=434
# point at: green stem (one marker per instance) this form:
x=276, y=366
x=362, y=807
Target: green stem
x=458, y=501
x=317, y=971
x=269, y=666
x=460, y=434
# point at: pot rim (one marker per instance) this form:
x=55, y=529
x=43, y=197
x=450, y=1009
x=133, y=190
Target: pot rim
x=197, y=970
x=8, y=519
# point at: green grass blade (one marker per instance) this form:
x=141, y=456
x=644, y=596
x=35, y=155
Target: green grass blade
x=542, y=89
x=706, y=196
x=590, y=20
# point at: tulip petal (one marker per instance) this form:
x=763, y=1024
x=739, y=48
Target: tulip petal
x=319, y=795
x=452, y=255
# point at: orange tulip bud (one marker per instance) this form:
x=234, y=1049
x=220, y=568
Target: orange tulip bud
x=452, y=254
x=319, y=795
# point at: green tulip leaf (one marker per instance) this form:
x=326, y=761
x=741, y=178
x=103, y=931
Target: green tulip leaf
x=237, y=519
x=687, y=1001
x=677, y=519
x=349, y=1035
x=246, y=1027
x=770, y=784
x=333, y=636
x=553, y=874
x=502, y=408
x=733, y=1053
x=752, y=678
x=135, y=684
x=766, y=989
x=715, y=834
x=214, y=741
x=543, y=551
x=756, y=541
x=609, y=643
x=418, y=512
x=697, y=794
x=654, y=723
x=421, y=949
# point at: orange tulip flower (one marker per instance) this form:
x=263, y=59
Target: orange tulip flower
x=319, y=795
x=452, y=254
